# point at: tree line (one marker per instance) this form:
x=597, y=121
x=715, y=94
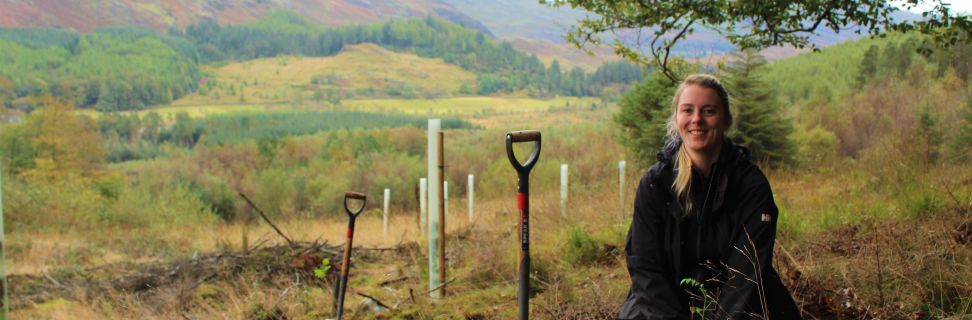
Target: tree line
x=57, y=156
x=882, y=96
x=499, y=66
x=127, y=68
x=109, y=69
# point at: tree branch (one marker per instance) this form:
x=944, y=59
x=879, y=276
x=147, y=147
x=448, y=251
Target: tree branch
x=662, y=60
x=290, y=242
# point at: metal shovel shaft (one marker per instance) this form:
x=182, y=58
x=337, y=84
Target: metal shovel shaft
x=523, y=267
x=523, y=203
x=345, y=268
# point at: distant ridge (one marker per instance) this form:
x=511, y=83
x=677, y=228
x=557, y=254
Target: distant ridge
x=84, y=16
x=529, y=25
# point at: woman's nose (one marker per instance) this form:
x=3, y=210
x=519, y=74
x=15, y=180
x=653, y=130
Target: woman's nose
x=696, y=117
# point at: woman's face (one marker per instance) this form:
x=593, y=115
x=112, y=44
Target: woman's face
x=701, y=119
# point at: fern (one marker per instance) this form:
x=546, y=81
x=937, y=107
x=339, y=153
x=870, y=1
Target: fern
x=321, y=271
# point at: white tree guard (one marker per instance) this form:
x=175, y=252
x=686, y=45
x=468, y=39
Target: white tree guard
x=433, y=208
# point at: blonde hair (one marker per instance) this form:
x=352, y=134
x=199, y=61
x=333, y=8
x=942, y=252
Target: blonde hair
x=683, y=164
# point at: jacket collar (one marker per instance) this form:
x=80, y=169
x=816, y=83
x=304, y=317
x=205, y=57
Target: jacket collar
x=731, y=157
x=731, y=153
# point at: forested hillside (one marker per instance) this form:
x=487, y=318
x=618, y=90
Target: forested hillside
x=530, y=25
x=110, y=69
x=500, y=67
x=125, y=68
x=85, y=16
x=898, y=91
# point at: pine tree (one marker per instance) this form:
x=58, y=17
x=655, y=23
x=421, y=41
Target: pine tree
x=152, y=127
x=758, y=122
x=645, y=110
x=929, y=135
x=868, y=66
x=962, y=142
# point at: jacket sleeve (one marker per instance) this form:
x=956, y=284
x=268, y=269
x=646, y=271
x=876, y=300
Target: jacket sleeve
x=653, y=293
x=751, y=255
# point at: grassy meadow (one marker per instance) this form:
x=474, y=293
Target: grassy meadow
x=364, y=69
x=484, y=111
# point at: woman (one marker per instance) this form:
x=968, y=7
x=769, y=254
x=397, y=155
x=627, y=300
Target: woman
x=704, y=222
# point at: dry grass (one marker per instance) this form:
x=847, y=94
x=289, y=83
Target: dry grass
x=487, y=112
x=470, y=106
x=923, y=268
x=355, y=67
x=481, y=259
x=168, y=113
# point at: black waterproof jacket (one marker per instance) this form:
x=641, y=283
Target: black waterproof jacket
x=725, y=243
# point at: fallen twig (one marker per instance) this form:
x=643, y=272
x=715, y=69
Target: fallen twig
x=48, y=276
x=375, y=300
x=390, y=281
x=441, y=285
x=265, y=218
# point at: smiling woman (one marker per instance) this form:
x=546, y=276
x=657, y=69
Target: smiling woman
x=701, y=239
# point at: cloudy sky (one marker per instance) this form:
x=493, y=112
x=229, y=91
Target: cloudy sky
x=958, y=6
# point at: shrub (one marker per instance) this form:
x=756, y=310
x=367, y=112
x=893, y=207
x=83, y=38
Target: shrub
x=580, y=248
x=816, y=146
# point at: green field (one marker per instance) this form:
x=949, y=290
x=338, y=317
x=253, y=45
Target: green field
x=460, y=106
x=200, y=111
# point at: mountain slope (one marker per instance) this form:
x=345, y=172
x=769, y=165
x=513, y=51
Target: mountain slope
x=531, y=26
x=85, y=16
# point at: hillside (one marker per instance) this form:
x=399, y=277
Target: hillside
x=839, y=65
x=124, y=68
x=364, y=69
x=85, y=16
x=507, y=20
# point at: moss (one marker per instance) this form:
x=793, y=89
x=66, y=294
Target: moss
x=206, y=291
x=58, y=303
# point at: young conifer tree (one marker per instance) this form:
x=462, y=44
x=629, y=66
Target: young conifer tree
x=758, y=123
x=962, y=142
x=645, y=109
x=868, y=66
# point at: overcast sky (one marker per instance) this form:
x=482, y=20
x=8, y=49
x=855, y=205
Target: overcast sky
x=958, y=6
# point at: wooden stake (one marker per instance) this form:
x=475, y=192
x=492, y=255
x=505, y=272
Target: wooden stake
x=3, y=270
